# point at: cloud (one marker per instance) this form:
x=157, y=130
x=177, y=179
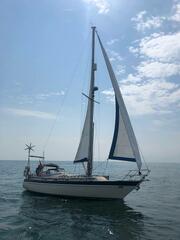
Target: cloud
x=142, y=22
x=176, y=13
x=24, y=99
x=112, y=41
x=114, y=56
x=131, y=79
x=150, y=89
x=133, y=50
x=120, y=69
x=154, y=69
x=163, y=47
x=109, y=95
x=151, y=97
x=103, y=6
x=43, y=96
x=40, y=97
x=29, y=113
x=160, y=53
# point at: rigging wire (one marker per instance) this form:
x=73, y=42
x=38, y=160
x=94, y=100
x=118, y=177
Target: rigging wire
x=65, y=96
x=107, y=161
x=99, y=165
x=84, y=89
x=144, y=159
x=99, y=126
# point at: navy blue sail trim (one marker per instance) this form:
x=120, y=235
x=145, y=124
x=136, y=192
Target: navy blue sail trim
x=123, y=159
x=81, y=160
x=116, y=130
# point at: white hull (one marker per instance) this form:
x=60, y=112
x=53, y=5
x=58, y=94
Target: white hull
x=107, y=191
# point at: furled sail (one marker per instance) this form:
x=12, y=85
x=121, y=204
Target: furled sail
x=124, y=145
x=83, y=149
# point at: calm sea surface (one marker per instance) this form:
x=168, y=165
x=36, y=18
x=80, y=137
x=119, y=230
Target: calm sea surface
x=153, y=212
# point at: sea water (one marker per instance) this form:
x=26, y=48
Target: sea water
x=151, y=213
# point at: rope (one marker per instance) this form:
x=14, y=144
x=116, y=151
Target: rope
x=144, y=160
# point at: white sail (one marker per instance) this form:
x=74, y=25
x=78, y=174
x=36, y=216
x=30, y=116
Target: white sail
x=83, y=149
x=124, y=145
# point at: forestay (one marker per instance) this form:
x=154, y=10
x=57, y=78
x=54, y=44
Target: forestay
x=124, y=145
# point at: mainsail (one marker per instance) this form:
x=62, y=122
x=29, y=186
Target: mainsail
x=124, y=145
x=83, y=149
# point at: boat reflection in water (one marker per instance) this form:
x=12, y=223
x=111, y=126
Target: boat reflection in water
x=48, y=217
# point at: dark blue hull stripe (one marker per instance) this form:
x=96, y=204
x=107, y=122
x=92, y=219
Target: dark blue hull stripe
x=77, y=182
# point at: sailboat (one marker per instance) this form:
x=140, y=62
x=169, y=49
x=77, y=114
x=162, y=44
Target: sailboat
x=50, y=179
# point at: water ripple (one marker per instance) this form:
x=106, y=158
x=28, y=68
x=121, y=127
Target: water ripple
x=149, y=214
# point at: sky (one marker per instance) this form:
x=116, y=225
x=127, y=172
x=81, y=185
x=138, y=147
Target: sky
x=45, y=50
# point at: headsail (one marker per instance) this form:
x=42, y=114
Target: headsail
x=124, y=145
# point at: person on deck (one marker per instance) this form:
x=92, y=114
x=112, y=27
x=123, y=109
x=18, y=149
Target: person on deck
x=39, y=168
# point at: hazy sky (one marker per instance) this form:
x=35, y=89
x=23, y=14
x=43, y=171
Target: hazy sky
x=45, y=66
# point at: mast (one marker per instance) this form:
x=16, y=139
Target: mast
x=29, y=150
x=91, y=99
